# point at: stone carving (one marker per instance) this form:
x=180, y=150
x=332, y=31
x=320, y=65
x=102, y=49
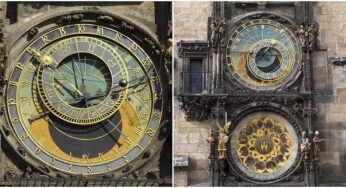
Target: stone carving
x=77, y=17
x=21, y=151
x=211, y=141
x=305, y=146
x=135, y=174
x=106, y=18
x=33, y=31
x=214, y=32
x=91, y=8
x=312, y=31
x=307, y=34
x=70, y=18
x=196, y=108
x=127, y=26
x=223, y=139
x=28, y=172
x=150, y=42
x=186, y=48
x=217, y=32
x=154, y=174
x=127, y=169
x=168, y=53
x=199, y=107
x=316, y=141
x=7, y=129
x=63, y=19
x=10, y=175
x=301, y=33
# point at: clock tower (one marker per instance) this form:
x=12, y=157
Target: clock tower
x=256, y=89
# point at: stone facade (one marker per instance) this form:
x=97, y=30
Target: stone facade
x=330, y=88
x=190, y=23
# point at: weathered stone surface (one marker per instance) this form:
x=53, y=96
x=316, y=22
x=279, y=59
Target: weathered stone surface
x=198, y=176
x=180, y=178
x=334, y=125
x=325, y=98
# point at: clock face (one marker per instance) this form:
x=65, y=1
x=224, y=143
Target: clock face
x=266, y=146
x=84, y=99
x=263, y=55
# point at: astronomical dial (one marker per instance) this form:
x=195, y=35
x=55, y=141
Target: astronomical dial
x=82, y=87
x=263, y=55
x=265, y=146
x=84, y=99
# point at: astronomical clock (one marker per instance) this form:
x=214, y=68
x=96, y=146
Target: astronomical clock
x=86, y=94
x=264, y=55
x=259, y=87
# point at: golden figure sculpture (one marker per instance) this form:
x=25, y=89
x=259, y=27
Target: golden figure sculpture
x=223, y=139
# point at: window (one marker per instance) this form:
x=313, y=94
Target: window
x=196, y=75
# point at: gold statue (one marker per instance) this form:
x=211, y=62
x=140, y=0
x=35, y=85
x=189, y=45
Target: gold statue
x=223, y=139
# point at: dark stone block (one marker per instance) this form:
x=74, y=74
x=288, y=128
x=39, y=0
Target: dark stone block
x=342, y=99
x=325, y=98
x=333, y=145
x=323, y=146
x=333, y=134
x=320, y=117
x=335, y=125
x=321, y=125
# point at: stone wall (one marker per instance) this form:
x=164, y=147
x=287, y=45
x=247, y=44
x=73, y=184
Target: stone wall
x=330, y=84
x=190, y=23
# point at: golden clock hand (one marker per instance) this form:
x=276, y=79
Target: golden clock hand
x=38, y=116
x=68, y=81
x=45, y=59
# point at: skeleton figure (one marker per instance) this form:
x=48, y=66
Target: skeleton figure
x=316, y=140
x=223, y=139
x=305, y=146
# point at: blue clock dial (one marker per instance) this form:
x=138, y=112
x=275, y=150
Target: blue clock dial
x=263, y=55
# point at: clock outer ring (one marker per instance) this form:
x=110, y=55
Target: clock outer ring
x=256, y=107
x=48, y=21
